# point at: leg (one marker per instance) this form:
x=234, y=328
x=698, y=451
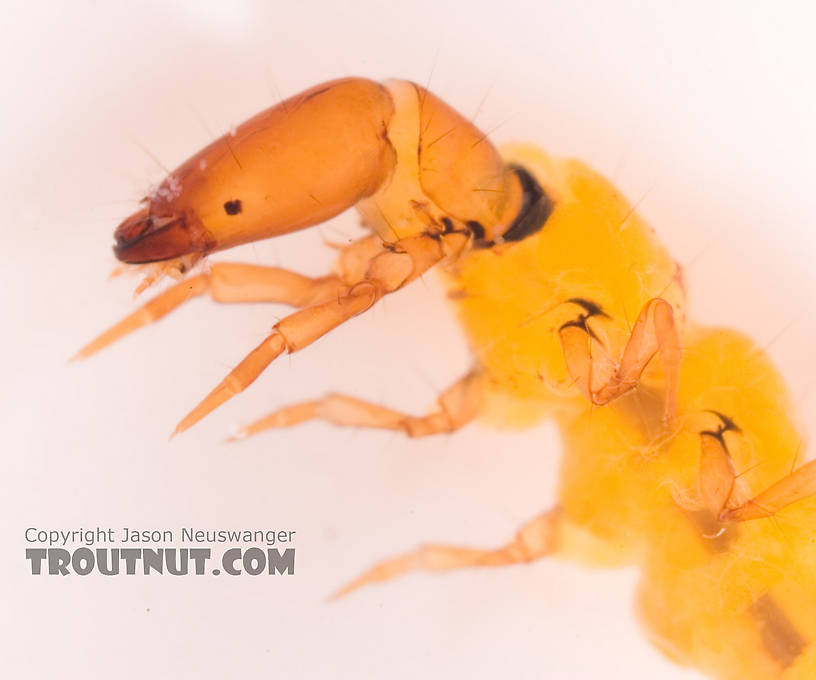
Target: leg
x=458, y=405
x=726, y=499
x=717, y=477
x=396, y=265
x=533, y=541
x=796, y=486
x=230, y=282
x=602, y=379
x=720, y=488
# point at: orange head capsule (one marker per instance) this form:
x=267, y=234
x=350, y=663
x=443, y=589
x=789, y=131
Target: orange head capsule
x=289, y=167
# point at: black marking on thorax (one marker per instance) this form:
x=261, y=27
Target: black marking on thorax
x=478, y=232
x=536, y=208
x=590, y=309
x=726, y=425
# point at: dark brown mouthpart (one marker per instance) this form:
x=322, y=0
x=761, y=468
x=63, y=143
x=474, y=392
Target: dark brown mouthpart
x=148, y=238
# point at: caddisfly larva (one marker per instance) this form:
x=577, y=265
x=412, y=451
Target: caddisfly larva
x=675, y=435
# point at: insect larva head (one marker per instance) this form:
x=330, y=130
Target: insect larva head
x=287, y=168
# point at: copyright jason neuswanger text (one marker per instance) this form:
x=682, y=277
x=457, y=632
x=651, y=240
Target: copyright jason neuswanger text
x=85, y=551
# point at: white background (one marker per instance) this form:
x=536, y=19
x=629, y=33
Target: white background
x=703, y=113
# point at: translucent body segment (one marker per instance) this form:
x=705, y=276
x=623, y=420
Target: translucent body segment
x=459, y=170
x=445, y=167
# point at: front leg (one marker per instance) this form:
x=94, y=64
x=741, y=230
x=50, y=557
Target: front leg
x=232, y=282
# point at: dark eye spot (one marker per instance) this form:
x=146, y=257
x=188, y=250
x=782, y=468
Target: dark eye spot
x=232, y=207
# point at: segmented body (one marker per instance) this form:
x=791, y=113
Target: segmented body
x=735, y=600
x=574, y=311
